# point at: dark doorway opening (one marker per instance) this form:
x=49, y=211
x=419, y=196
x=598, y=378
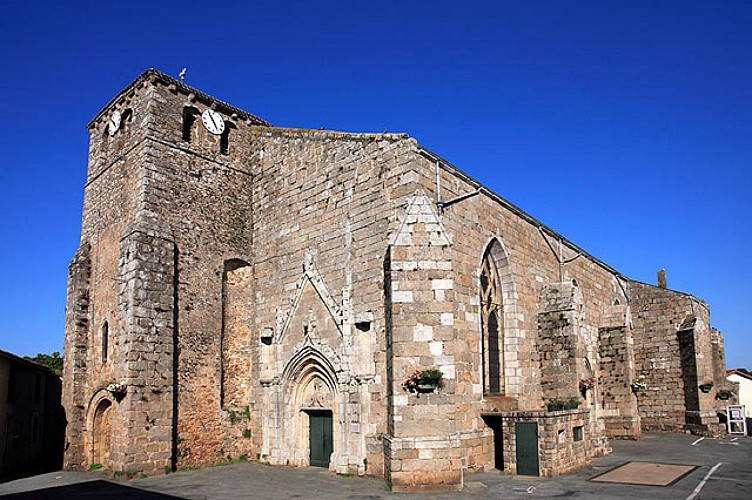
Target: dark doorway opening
x=320, y=437
x=494, y=423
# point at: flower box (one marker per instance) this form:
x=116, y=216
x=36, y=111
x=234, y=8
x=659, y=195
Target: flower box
x=423, y=381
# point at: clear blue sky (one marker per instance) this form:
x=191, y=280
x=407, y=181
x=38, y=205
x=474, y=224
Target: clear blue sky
x=626, y=126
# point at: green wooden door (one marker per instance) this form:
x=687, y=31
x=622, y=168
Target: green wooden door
x=526, y=434
x=320, y=438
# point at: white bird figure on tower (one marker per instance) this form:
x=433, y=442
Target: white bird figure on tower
x=182, y=75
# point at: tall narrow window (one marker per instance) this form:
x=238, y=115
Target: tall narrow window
x=105, y=340
x=492, y=317
x=224, y=139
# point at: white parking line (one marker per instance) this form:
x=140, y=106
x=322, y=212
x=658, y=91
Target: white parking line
x=704, y=480
x=697, y=441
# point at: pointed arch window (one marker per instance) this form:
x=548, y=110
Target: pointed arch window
x=492, y=318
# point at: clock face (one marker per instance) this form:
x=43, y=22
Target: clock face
x=113, y=124
x=213, y=122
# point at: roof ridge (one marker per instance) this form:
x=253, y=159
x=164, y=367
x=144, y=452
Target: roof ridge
x=152, y=73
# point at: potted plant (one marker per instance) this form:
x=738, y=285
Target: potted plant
x=117, y=389
x=706, y=387
x=424, y=381
x=638, y=384
x=724, y=394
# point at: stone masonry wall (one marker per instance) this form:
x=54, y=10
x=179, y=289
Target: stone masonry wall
x=308, y=215
x=76, y=352
x=561, y=347
x=673, y=352
x=616, y=374
x=147, y=300
x=335, y=197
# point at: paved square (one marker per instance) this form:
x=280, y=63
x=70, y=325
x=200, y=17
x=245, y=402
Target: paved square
x=645, y=473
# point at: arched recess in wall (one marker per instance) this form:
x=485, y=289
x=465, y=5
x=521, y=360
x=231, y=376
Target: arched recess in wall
x=236, y=333
x=190, y=114
x=498, y=307
x=101, y=432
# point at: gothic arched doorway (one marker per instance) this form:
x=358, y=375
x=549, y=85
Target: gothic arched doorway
x=101, y=433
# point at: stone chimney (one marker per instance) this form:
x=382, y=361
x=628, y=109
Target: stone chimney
x=662, y=279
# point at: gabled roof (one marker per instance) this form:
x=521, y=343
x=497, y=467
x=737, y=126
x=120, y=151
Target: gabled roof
x=28, y=362
x=741, y=374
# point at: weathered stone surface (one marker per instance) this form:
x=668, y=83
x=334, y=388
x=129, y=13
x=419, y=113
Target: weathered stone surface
x=243, y=284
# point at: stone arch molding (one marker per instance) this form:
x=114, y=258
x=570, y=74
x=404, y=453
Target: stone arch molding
x=312, y=277
x=510, y=320
x=98, y=433
x=310, y=381
x=307, y=359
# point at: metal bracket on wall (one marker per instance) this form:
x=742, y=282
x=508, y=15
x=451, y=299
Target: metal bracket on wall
x=441, y=204
x=558, y=254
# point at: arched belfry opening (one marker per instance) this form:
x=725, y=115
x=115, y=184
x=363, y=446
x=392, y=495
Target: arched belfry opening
x=492, y=309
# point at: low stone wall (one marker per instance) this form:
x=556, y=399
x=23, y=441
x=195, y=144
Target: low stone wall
x=436, y=464
x=559, y=449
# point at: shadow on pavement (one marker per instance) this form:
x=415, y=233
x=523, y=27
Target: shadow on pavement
x=89, y=490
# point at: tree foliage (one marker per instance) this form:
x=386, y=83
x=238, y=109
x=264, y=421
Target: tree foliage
x=52, y=361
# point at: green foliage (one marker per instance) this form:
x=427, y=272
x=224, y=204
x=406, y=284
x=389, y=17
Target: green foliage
x=95, y=466
x=431, y=374
x=233, y=417
x=248, y=412
x=52, y=361
x=243, y=458
x=562, y=404
x=247, y=434
x=167, y=469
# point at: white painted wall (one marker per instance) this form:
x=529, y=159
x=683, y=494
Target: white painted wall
x=745, y=391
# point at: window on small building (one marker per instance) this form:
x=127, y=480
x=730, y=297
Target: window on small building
x=37, y=388
x=11, y=385
x=578, y=432
x=35, y=430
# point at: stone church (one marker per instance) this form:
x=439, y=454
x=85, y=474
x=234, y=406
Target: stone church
x=250, y=292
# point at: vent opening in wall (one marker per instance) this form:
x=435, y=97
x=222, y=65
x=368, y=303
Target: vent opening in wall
x=363, y=326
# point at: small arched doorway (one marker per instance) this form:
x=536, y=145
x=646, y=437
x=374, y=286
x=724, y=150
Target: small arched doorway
x=101, y=433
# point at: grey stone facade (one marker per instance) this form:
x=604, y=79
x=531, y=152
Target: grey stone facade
x=244, y=283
